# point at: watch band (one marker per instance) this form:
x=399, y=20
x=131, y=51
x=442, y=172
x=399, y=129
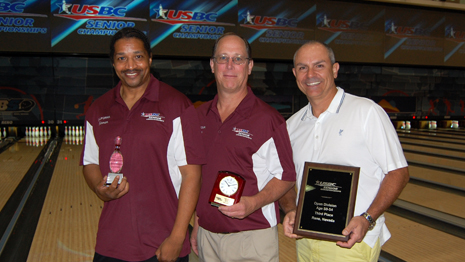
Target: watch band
x=369, y=219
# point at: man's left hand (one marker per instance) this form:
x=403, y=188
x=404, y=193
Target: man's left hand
x=169, y=250
x=357, y=229
x=240, y=210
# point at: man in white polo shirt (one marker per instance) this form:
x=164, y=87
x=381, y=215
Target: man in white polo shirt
x=343, y=129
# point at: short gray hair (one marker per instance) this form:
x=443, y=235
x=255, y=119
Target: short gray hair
x=332, y=58
x=248, y=48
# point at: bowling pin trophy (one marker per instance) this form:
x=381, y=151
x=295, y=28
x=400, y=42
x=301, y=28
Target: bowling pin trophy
x=116, y=163
x=227, y=189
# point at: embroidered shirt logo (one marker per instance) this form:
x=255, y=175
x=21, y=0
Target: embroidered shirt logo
x=103, y=120
x=242, y=132
x=153, y=116
x=340, y=132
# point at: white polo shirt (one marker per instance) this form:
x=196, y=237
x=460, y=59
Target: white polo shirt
x=353, y=131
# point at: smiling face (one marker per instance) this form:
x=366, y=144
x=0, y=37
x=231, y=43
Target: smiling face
x=132, y=63
x=230, y=77
x=315, y=73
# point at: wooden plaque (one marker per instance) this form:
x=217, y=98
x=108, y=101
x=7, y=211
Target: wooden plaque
x=326, y=201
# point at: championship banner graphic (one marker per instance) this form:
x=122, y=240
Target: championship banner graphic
x=275, y=25
x=454, y=42
x=353, y=31
x=86, y=26
x=414, y=37
x=24, y=26
x=189, y=28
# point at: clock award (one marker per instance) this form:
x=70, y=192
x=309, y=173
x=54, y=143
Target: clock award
x=227, y=189
x=116, y=163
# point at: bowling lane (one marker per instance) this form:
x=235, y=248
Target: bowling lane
x=428, y=148
x=445, y=164
x=436, y=175
x=414, y=242
x=435, y=199
x=68, y=223
x=445, y=131
x=287, y=249
x=433, y=137
x=441, y=157
x=448, y=162
x=432, y=142
x=15, y=162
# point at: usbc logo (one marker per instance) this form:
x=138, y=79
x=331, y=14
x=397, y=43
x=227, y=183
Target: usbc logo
x=393, y=29
x=170, y=16
x=78, y=12
x=452, y=34
x=12, y=7
x=328, y=24
x=268, y=22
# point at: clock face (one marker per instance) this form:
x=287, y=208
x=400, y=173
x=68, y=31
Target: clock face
x=229, y=185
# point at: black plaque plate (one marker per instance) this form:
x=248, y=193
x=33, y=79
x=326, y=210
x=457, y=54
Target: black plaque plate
x=326, y=201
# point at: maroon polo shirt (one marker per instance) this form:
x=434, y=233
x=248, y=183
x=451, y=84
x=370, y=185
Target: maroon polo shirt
x=159, y=134
x=252, y=142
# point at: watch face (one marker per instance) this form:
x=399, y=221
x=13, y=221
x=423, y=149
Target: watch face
x=228, y=185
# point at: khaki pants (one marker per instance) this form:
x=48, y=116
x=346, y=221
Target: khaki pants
x=311, y=250
x=254, y=245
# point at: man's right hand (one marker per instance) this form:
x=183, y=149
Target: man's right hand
x=288, y=225
x=112, y=191
x=194, y=233
x=97, y=184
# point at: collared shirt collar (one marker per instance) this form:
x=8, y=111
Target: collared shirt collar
x=244, y=108
x=151, y=92
x=334, y=107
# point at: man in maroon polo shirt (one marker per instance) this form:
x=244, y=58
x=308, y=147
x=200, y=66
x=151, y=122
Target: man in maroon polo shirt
x=155, y=129
x=245, y=136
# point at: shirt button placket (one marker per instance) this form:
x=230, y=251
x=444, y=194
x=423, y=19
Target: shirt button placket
x=317, y=136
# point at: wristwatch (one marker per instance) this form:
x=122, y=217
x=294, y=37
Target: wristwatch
x=369, y=219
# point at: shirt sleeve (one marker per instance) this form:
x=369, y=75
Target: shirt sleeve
x=191, y=137
x=90, y=152
x=282, y=145
x=382, y=140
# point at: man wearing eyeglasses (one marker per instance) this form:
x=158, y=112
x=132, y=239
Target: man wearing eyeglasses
x=245, y=136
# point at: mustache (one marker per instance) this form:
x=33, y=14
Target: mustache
x=131, y=71
x=313, y=79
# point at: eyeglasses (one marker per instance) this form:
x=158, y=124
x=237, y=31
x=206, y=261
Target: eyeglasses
x=238, y=60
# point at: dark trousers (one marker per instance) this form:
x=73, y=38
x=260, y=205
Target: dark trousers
x=100, y=258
